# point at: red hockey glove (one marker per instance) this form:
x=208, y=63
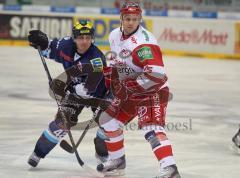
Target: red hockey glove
x=119, y=90
x=107, y=72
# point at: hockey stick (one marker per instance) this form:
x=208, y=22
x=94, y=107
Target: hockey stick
x=83, y=124
x=87, y=124
x=67, y=147
x=80, y=161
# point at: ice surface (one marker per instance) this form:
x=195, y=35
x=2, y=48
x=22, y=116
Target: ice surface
x=202, y=118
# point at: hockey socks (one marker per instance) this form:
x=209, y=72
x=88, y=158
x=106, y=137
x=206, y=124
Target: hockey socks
x=49, y=139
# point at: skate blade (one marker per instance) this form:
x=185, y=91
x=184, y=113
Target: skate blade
x=113, y=173
x=234, y=148
x=166, y=176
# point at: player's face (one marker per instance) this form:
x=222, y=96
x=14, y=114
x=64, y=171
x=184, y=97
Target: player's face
x=130, y=23
x=83, y=42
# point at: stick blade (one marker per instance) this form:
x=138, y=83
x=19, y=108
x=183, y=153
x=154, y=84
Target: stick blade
x=65, y=146
x=92, y=171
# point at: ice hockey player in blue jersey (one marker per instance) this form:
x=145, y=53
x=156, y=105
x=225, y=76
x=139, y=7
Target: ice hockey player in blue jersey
x=76, y=50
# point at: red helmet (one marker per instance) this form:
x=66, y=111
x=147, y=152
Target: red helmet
x=131, y=8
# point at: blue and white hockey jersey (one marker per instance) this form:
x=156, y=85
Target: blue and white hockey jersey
x=65, y=51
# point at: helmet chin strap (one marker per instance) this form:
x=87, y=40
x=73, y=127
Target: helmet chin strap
x=121, y=27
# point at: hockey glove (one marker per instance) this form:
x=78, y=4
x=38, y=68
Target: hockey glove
x=112, y=82
x=120, y=91
x=38, y=38
x=107, y=72
x=58, y=87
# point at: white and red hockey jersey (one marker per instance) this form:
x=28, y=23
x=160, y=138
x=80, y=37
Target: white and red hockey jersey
x=138, y=60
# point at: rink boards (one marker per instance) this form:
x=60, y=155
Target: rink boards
x=211, y=38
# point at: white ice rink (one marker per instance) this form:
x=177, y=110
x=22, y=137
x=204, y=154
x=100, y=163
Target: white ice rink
x=205, y=112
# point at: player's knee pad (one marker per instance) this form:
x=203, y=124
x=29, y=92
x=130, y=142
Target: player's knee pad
x=104, y=118
x=108, y=123
x=55, y=132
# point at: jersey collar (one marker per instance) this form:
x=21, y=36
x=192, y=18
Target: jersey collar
x=124, y=37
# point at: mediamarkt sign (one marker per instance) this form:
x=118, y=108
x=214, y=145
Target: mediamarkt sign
x=195, y=36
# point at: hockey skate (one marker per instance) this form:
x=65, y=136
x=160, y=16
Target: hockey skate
x=169, y=172
x=101, y=159
x=236, y=143
x=33, y=160
x=114, y=167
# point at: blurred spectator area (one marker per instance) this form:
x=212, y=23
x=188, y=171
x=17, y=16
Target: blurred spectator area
x=196, y=5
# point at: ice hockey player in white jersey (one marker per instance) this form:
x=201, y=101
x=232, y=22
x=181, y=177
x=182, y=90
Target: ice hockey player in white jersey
x=138, y=80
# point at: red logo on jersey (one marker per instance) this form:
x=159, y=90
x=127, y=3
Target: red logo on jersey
x=142, y=111
x=147, y=69
x=133, y=39
x=124, y=53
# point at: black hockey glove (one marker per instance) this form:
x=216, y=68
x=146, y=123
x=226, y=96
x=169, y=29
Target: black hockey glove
x=58, y=87
x=38, y=38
